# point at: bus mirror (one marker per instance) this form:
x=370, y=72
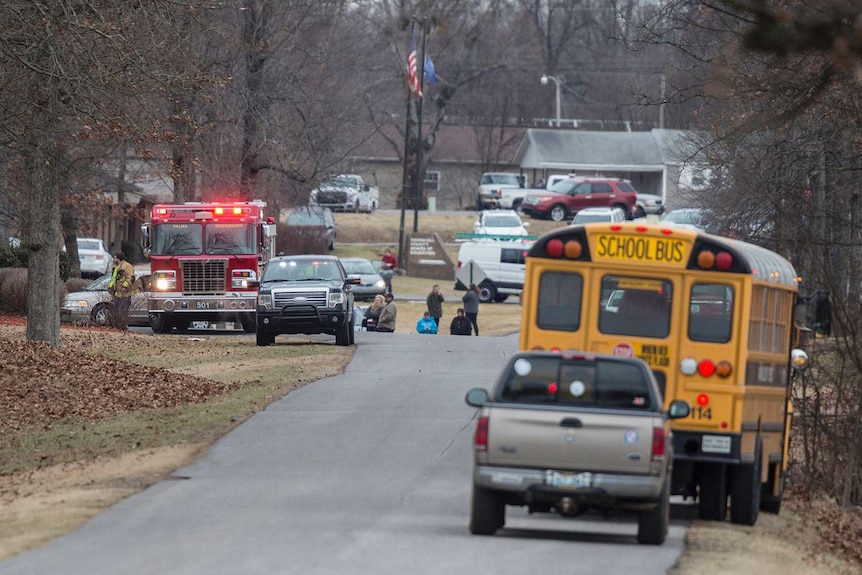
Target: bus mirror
x=678, y=409
x=799, y=359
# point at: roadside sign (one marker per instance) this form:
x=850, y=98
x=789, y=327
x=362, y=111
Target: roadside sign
x=470, y=273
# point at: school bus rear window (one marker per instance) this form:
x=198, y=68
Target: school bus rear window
x=559, y=301
x=710, y=313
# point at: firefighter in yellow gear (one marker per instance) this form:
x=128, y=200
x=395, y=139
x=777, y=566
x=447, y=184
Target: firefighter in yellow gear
x=121, y=287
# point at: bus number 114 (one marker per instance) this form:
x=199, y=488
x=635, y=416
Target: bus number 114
x=701, y=413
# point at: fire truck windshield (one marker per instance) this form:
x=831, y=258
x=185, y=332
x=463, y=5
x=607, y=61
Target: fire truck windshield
x=231, y=239
x=177, y=239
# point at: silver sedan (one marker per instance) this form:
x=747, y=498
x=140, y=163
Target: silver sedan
x=92, y=305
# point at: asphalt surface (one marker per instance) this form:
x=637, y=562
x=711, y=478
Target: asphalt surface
x=368, y=472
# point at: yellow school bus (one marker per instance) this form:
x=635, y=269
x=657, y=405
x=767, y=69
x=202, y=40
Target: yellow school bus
x=712, y=316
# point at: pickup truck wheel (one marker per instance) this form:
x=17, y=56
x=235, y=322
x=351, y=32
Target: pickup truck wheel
x=653, y=524
x=487, y=511
x=558, y=213
x=342, y=336
x=264, y=338
x=352, y=332
x=745, y=491
x=712, y=499
x=249, y=325
x=101, y=314
x=487, y=292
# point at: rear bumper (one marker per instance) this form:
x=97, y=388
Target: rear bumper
x=531, y=484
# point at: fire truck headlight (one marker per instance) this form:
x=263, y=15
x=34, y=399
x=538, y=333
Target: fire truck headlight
x=264, y=301
x=165, y=280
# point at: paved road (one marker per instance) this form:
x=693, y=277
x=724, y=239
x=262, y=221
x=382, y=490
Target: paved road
x=363, y=473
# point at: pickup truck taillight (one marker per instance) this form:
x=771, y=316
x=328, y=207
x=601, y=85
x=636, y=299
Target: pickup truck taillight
x=480, y=441
x=658, y=440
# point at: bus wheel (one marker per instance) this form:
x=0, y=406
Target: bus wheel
x=712, y=499
x=487, y=292
x=745, y=491
x=770, y=503
x=501, y=297
x=558, y=213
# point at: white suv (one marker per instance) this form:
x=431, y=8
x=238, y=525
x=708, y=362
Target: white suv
x=500, y=223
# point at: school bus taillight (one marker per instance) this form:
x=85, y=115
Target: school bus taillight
x=703, y=399
x=706, y=368
x=723, y=369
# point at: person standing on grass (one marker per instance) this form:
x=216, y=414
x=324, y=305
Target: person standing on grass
x=387, y=268
x=121, y=287
x=471, y=306
x=434, y=301
x=386, y=321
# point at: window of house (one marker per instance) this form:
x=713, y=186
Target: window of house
x=432, y=181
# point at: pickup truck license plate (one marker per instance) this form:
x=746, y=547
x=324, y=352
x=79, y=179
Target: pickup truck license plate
x=568, y=480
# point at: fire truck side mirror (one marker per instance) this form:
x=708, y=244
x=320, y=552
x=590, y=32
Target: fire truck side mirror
x=145, y=239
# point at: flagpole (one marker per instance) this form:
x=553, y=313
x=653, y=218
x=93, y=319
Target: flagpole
x=404, y=182
x=418, y=181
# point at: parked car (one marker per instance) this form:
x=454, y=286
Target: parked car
x=648, y=204
x=94, y=259
x=574, y=194
x=315, y=219
x=565, y=433
x=691, y=218
x=370, y=283
x=92, y=305
x=500, y=223
x=589, y=215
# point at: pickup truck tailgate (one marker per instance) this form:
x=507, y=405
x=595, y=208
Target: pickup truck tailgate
x=582, y=440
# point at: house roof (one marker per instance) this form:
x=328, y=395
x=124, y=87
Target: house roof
x=582, y=150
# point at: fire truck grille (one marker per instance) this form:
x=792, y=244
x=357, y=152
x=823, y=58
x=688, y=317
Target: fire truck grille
x=283, y=298
x=204, y=277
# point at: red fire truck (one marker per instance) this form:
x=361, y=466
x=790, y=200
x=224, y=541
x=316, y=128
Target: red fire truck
x=202, y=256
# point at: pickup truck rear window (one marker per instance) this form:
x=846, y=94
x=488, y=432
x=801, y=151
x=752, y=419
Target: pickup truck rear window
x=558, y=381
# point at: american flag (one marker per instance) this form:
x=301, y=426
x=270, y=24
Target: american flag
x=412, y=75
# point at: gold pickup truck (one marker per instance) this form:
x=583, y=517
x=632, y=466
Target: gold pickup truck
x=567, y=432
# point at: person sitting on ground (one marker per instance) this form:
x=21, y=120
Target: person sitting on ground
x=369, y=322
x=460, y=324
x=386, y=321
x=426, y=324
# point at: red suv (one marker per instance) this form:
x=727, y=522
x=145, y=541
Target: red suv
x=568, y=196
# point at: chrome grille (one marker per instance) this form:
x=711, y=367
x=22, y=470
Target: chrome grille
x=204, y=277
x=281, y=298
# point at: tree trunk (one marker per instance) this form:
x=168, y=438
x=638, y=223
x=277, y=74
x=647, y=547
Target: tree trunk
x=44, y=173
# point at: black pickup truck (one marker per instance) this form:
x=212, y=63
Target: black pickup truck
x=567, y=432
x=306, y=294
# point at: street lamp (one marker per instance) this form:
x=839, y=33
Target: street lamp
x=557, y=82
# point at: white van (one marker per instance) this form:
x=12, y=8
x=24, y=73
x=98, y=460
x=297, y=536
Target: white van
x=497, y=267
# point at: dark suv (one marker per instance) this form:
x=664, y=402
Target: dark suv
x=565, y=198
x=305, y=294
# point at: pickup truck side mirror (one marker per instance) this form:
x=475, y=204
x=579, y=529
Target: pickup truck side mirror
x=353, y=280
x=477, y=397
x=678, y=409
